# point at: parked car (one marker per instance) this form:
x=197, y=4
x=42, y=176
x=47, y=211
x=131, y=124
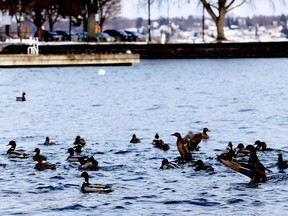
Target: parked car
x=49, y=36
x=136, y=36
x=65, y=35
x=4, y=37
x=82, y=36
x=119, y=35
x=104, y=37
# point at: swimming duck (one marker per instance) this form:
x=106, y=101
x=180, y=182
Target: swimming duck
x=159, y=143
x=43, y=166
x=78, y=148
x=75, y=158
x=188, y=137
x=193, y=143
x=204, y=133
x=231, y=151
x=79, y=141
x=90, y=164
x=88, y=187
x=254, y=169
x=230, y=147
x=242, y=151
x=135, y=139
x=183, y=151
x=261, y=146
x=165, y=147
x=12, y=153
x=168, y=165
x=37, y=155
x=281, y=163
x=200, y=166
x=47, y=141
x=21, y=98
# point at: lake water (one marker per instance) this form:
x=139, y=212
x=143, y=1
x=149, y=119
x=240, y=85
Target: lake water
x=239, y=100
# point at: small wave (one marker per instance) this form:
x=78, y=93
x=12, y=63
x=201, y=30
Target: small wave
x=234, y=200
x=57, y=177
x=155, y=107
x=246, y=110
x=45, y=189
x=198, y=202
x=111, y=168
x=119, y=207
x=122, y=152
x=130, y=198
x=69, y=207
x=97, y=105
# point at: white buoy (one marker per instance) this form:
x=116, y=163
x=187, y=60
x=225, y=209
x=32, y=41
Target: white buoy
x=101, y=72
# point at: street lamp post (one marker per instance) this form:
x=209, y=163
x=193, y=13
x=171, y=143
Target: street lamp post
x=70, y=20
x=203, y=23
x=149, y=22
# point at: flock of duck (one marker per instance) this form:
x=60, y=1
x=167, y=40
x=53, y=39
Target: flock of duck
x=86, y=163
x=241, y=159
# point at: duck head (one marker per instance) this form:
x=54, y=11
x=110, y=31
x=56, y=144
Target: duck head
x=280, y=158
x=177, y=134
x=165, y=161
x=37, y=150
x=230, y=145
x=12, y=143
x=77, y=138
x=199, y=163
x=251, y=148
x=157, y=136
x=85, y=176
x=71, y=151
x=205, y=130
x=240, y=146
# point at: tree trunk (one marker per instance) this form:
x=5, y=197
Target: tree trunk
x=7, y=30
x=219, y=20
x=19, y=30
x=220, y=29
x=91, y=27
x=51, y=24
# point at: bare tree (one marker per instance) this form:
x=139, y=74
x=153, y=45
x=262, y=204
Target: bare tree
x=105, y=8
x=15, y=8
x=109, y=10
x=218, y=9
x=52, y=12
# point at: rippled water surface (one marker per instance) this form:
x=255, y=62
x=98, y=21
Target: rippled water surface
x=239, y=100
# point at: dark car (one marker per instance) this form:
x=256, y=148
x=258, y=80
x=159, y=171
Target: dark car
x=119, y=35
x=104, y=37
x=82, y=36
x=136, y=36
x=65, y=35
x=48, y=36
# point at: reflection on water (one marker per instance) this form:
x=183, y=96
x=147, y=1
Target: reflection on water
x=239, y=100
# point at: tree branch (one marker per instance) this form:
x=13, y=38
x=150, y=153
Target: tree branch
x=230, y=6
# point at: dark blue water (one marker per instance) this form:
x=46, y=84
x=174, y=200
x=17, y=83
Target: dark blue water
x=239, y=100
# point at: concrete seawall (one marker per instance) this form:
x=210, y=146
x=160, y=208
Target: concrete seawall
x=25, y=60
x=162, y=51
